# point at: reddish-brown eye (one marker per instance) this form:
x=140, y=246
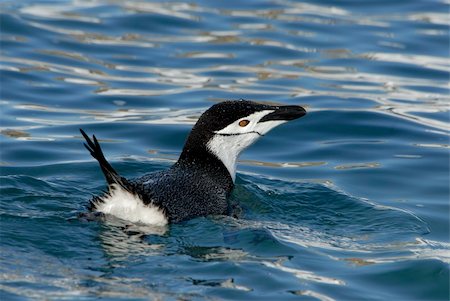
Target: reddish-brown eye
x=243, y=123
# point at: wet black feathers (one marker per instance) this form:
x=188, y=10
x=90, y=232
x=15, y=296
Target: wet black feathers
x=112, y=177
x=198, y=184
x=186, y=190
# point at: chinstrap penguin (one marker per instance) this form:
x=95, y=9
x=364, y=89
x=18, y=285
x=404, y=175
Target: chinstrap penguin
x=202, y=179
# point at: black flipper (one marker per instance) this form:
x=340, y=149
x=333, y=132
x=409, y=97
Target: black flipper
x=112, y=177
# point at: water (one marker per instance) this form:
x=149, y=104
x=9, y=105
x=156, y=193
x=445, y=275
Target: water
x=350, y=202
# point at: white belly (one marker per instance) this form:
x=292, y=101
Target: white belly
x=128, y=206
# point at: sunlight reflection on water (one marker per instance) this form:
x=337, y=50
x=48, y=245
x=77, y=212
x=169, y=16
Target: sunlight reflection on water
x=374, y=78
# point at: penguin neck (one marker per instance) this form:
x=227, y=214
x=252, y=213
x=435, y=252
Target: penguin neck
x=197, y=155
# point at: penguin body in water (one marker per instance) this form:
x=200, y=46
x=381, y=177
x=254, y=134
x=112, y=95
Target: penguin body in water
x=202, y=179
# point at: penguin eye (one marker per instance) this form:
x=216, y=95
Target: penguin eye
x=243, y=123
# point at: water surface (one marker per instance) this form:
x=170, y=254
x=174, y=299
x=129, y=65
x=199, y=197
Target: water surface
x=350, y=202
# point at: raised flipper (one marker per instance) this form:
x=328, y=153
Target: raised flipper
x=112, y=177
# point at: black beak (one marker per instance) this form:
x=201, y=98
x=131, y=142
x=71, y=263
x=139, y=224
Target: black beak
x=285, y=113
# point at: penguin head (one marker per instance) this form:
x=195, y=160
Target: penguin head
x=229, y=127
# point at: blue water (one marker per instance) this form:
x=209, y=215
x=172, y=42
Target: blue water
x=350, y=202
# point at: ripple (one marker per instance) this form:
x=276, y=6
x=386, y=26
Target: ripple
x=126, y=40
x=281, y=164
x=304, y=275
x=63, y=282
x=434, y=18
x=63, y=12
x=228, y=283
x=81, y=81
x=313, y=294
x=357, y=165
x=209, y=55
x=177, y=10
x=431, y=62
x=15, y=133
x=127, y=67
x=149, y=116
x=367, y=231
x=432, y=145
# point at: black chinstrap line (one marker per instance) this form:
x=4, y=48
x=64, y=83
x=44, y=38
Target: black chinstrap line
x=238, y=134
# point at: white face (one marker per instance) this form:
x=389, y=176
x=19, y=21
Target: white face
x=230, y=141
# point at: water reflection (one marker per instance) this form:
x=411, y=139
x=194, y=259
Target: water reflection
x=357, y=165
x=135, y=64
x=174, y=9
x=188, y=79
x=313, y=294
x=62, y=11
x=226, y=283
x=121, y=240
x=252, y=79
x=304, y=275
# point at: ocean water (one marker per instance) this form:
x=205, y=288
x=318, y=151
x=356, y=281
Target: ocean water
x=350, y=202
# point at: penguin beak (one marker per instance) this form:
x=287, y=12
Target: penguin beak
x=285, y=113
